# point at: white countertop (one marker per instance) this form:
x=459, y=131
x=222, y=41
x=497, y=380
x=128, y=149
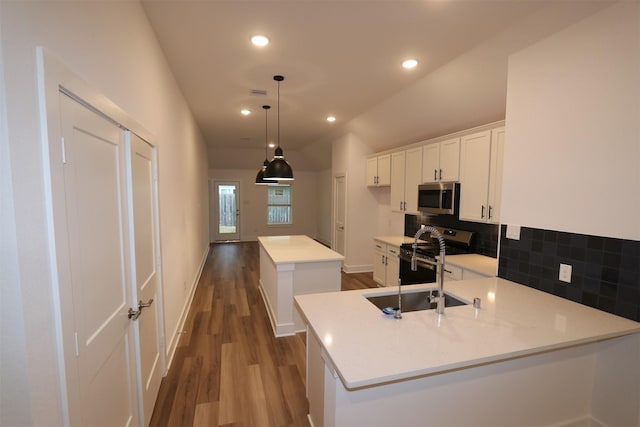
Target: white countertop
x=296, y=249
x=481, y=264
x=394, y=240
x=369, y=348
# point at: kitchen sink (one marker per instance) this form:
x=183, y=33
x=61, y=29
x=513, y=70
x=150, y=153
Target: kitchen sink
x=413, y=301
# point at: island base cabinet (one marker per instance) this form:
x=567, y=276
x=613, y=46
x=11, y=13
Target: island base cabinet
x=570, y=387
x=279, y=283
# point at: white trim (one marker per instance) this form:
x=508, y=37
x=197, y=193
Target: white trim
x=175, y=336
x=364, y=268
x=44, y=61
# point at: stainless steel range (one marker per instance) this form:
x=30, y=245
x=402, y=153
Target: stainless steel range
x=457, y=242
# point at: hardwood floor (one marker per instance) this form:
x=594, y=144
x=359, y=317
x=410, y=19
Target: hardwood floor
x=229, y=369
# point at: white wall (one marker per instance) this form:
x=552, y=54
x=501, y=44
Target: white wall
x=253, y=203
x=112, y=47
x=572, y=154
x=348, y=157
x=14, y=408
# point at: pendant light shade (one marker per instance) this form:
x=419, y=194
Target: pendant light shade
x=278, y=169
x=260, y=176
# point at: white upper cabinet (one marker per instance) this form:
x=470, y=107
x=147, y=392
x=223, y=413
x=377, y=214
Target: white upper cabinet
x=397, y=181
x=481, y=156
x=441, y=161
x=379, y=171
x=406, y=175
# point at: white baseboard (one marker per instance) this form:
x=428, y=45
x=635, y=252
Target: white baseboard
x=175, y=336
x=367, y=268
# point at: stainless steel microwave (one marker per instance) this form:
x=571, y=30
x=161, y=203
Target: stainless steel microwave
x=439, y=198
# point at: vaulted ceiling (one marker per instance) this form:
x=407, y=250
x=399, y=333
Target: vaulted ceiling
x=339, y=58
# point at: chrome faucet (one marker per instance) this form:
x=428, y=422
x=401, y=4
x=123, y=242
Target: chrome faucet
x=414, y=266
x=439, y=300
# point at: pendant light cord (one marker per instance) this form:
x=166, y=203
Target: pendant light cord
x=278, y=113
x=266, y=133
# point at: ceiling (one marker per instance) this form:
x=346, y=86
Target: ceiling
x=338, y=58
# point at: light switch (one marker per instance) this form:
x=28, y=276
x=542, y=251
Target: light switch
x=565, y=273
x=513, y=232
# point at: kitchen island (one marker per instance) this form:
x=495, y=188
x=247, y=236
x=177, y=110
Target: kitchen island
x=524, y=358
x=294, y=265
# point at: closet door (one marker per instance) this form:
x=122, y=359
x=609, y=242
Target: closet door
x=93, y=258
x=145, y=273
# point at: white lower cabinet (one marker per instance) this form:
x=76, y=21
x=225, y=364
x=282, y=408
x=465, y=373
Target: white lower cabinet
x=386, y=265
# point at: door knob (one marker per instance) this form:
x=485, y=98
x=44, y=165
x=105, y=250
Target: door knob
x=142, y=305
x=134, y=314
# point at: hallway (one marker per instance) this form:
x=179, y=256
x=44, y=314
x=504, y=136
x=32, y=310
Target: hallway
x=229, y=369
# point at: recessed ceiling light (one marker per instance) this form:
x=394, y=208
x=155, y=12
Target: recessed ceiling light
x=331, y=119
x=245, y=112
x=409, y=63
x=259, y=40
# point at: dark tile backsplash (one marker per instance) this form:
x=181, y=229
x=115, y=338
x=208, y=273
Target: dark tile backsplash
x=485, y=239
x=605, y=271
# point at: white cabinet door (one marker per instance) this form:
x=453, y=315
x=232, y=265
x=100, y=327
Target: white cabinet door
x=384, y=169
x=430, y=162
x=397, y=181
x=441, y=161
x=412, y=178
x=379, y=171
x=379, y=262
x=449, y=160
x=495, y=176
x=372, y=171
x=475, y=156
x=393, y=266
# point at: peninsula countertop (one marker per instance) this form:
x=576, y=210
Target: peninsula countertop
x=296, y=249
x=514, y=320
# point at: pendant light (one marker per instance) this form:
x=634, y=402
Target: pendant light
x=260, y=176
x=278, y=169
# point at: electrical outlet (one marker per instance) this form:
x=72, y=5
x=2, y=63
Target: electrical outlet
x=513, y=232
x=565, y=273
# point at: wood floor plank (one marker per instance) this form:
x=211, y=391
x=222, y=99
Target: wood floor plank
x=229, y=369
x=206, y=415
x=183, y=408
x=259, y=412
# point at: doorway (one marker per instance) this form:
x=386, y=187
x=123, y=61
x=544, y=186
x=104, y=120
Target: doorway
x=226, y=208
x=339, y=213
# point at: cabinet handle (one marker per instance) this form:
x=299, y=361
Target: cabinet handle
x=405, y=206
x=382, y=260
x=482, y=214
x=440, y=174
x=489, y=212
x=435, y=174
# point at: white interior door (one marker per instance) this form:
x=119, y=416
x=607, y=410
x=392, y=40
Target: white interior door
x=227, y=210
x=145, y=275
x=97, y=279
x=340, y=205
